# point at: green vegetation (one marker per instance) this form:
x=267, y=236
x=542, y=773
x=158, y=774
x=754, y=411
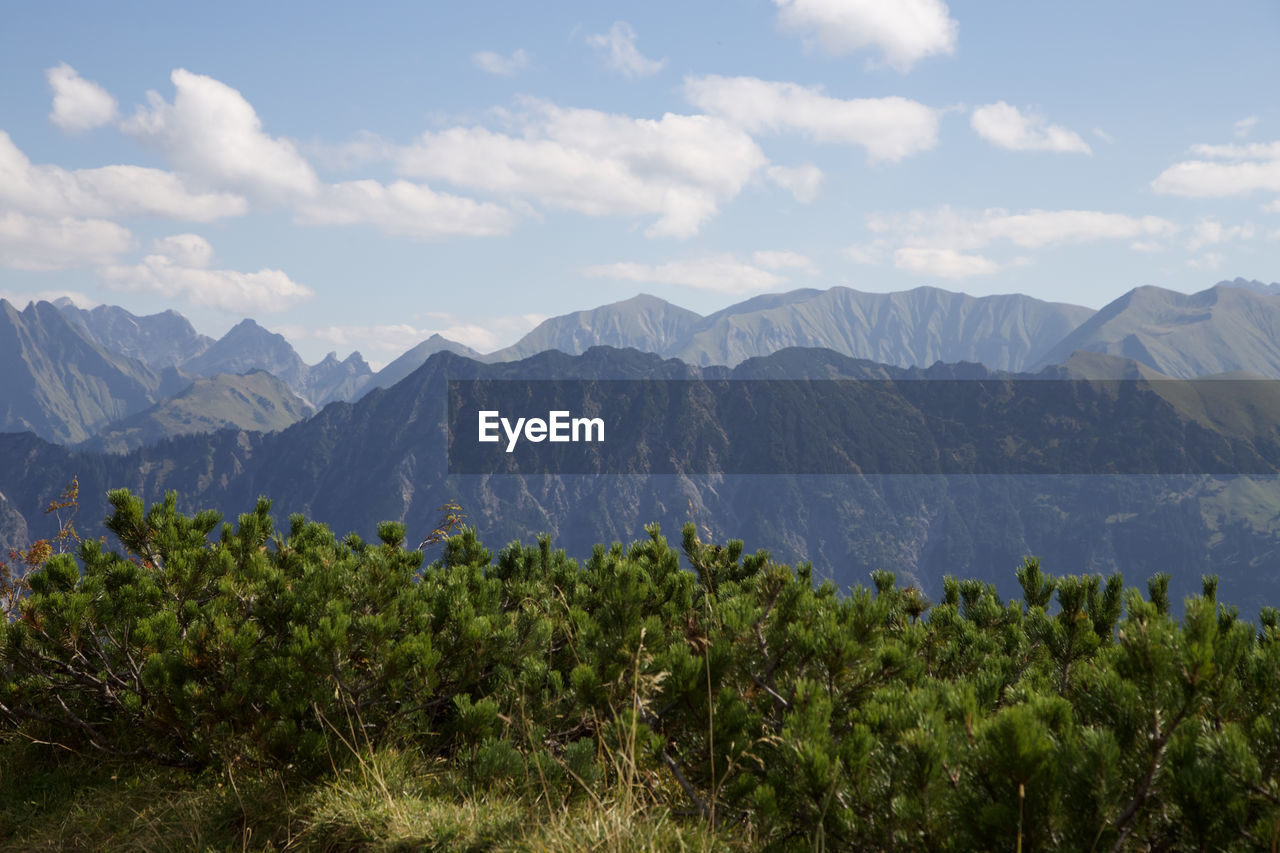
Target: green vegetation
x=253, y=401
x=263, y=689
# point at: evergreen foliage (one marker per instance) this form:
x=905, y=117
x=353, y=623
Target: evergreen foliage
x=1085, y=716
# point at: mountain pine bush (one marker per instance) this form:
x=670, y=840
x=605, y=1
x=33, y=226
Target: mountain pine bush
x=715, y=683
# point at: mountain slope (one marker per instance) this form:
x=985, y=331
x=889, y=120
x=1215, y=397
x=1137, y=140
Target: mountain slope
x=916, y=327
x=643, y=322
x=330, y=379
x=160, y=340
x=411, y=360
x=1222, y=329
x=385, y=457
x=62, y=385
x=248, y=346
x=255, y=401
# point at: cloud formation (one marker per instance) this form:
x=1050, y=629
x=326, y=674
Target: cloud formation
x=904, y=31
x=782, y=260
x=887, y=128
x=39, y=243
x=1245, y=126
x=945, y=242
x=803, y=182
x=678, y=168
x=78, y=104
x=178, y=268
x=1006, y=126
x=964, y=230
x=503, y=66
x=404, y=209
x=109, y=191
x=719, y=273
x=1225, y=170
x=212, y=134
x=618, y=46
x=1211, y=232
x=943, y=263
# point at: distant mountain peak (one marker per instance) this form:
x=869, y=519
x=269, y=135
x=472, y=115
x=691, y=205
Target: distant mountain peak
x=1221, y=329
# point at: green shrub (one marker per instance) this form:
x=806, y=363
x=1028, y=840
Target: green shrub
x=1085, y=717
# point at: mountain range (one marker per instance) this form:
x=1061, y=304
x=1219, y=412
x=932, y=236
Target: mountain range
x=149, y=403
x=1231, y=326
x=385, y=457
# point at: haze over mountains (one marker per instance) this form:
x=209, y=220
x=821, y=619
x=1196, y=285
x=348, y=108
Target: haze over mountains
x=384, y=457
x=60, y=384
x=1222, y=329
x=255, y=400
x=914, y=327
x=70, y=371
x=150, y=404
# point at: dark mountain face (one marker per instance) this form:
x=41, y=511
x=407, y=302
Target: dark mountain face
x=1225, y=328
x=385, y=457
x=61, y=384
x=916, y=327
x=159, y=340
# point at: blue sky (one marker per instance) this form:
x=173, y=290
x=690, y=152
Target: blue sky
x=362, y=179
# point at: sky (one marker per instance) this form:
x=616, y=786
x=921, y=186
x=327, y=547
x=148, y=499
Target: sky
x=361, y=178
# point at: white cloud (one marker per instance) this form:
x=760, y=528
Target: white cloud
x=965, y=230
x=404, y=209
x=78, y=104
x=946, y=242
x=619, y=47
x=109, y=191
x=1210, y=232
x=1245, y=126
x=213, y=134
x=679, y=168
x=1006, y=126
x=1253, y=167
x=904, y=31
x=943, y=263
x=802, y=182
x=37, y=243
x=364, y=149
x=719, y=273
x=1103, y=135
x=780, y=260
x=1233, y=151
x=496, y=63
x=888, y=128
x=178, y=268
x=868, y=253
x=1207, y=262
x=185, y=250
x=1272, y=207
